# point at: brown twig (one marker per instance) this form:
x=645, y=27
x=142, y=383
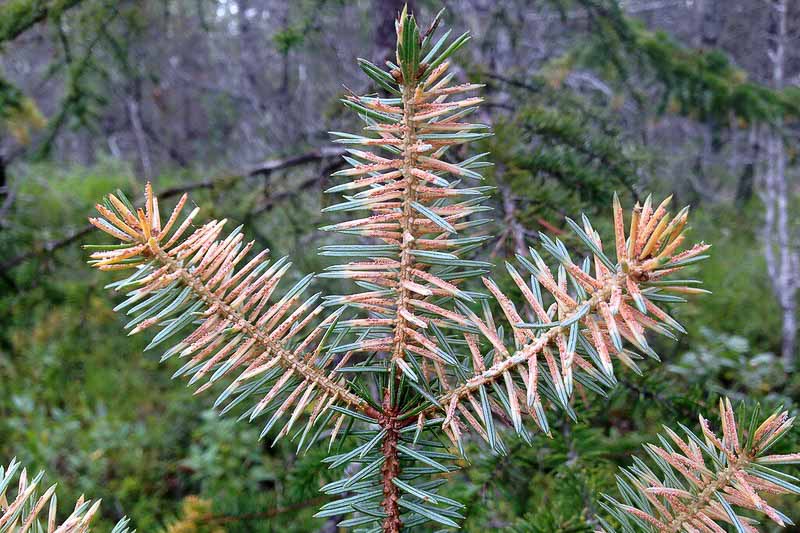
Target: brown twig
x=289, y=359
x=270, y=513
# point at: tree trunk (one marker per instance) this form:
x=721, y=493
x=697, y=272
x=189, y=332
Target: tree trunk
x=783, y=264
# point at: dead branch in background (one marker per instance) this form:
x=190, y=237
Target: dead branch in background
x=265, y=168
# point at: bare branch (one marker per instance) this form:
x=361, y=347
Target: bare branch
x=265, y=168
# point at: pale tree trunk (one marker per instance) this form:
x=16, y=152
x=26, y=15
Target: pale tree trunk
x=783, y=263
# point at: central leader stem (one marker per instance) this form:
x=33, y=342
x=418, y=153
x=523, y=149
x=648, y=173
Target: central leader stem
x=407, y=220
x=391, y=468
x=391, y=465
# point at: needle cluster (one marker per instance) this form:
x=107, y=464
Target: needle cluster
x=26, y=505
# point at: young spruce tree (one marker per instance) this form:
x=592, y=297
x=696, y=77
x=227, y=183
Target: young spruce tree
x=426, y=351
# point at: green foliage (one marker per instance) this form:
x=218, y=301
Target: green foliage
x=18, y=114
x=540, y=488
x=727, y=364
x=287, y=39
x=11, y=99
x=741, y=304
x=50, y=203
x=85, y=405
x=16, y=16
x=588, y=160
x=559, y=154
x=246, y=487
x=83, y=72
x=701, y=84
x=222, y=459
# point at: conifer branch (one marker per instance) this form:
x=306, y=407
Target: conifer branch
x=412, y=354
x=580, y=328
x=291, y=361
x=24, y=510
x=178, y=281
x=704, y=477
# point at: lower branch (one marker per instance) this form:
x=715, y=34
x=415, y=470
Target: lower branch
x=704, y=497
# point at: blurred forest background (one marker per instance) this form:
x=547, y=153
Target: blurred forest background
x=232, y=100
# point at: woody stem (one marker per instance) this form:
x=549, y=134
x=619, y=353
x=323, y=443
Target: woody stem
x=407, y=219
x=703, y=499
x=234, y=316
x=391, y=465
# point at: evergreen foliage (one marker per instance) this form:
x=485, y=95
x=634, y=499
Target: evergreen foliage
x=705, y=85
x=24, y=504
x=16, y=16
x=702, y=478
x=18, y=114
x=557, y=153
x=588, y=161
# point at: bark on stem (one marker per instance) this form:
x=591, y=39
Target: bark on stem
x=522, y=355
x=289, y=359
x=406, y=222
x=704, y=496
x=390, y=469
x=391, y=465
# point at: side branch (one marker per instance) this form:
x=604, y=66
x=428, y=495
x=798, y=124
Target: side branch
x=18, y=16
x=289, y=359
x=583, y=319
x=532, y=349
x=703, y=501
x=241, y=327
x=701, y=481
